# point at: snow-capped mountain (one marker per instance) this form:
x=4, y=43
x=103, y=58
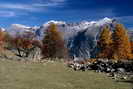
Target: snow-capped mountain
x=2, y=29
x=71, y=29
x=80, y=37
x=54, y=22
x=20, y=29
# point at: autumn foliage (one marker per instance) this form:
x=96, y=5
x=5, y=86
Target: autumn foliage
x=2, y=39
x=131, y=47
x=121, y=43
x=53, y=44
x=22, y=45
x=105, y=43
x=111, y=44
x=25, y=43
x=115, y=45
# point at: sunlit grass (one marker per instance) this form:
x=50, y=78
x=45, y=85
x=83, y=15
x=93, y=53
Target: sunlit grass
x=52, y=75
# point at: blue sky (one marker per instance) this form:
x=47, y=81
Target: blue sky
x=37, y=12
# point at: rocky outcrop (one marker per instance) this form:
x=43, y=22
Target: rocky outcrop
x=82, y=45
x=34, y=54
x=115, y=69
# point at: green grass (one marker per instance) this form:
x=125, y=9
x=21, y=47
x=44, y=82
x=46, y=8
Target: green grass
x=16, y=75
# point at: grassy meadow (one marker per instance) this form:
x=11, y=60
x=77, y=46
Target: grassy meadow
x=53, y=75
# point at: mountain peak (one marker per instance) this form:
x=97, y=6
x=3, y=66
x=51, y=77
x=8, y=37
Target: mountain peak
x=19, y=26
x=55, y=22
x=107, y=19
x=2, y=29
x=103, y=21
x=67, y=27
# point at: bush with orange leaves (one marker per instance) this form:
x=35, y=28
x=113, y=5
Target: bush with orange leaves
x=2, y=39
x=24, y=44
x=8, y=41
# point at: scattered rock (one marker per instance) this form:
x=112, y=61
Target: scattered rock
x=116, y=70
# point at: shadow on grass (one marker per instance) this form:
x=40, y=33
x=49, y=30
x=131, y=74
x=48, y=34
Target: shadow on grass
x=126, y=81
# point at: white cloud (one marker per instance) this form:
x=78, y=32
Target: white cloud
x=44, y=5
x=7, y=14
x=130, y=28
x=125, y=18
x=58, y=0
x=12, y=14
x=19, y=9
x=31, y=7
x=18, y=6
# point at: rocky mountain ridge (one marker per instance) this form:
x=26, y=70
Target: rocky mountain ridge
x=80, y=37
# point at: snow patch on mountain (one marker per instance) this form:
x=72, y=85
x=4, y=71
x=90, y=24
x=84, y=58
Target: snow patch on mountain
x=2, y=29
x=20, y=29
x=69, y=29
x=53, y=22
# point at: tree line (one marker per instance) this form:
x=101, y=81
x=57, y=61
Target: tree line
x=111, y=44
x=52, y=45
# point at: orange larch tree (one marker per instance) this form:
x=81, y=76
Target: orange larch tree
x=53, y=44
x=105, y=43
x=131, y=47
x=121, y=43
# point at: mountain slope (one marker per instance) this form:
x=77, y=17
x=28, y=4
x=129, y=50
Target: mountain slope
x=80, y=37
